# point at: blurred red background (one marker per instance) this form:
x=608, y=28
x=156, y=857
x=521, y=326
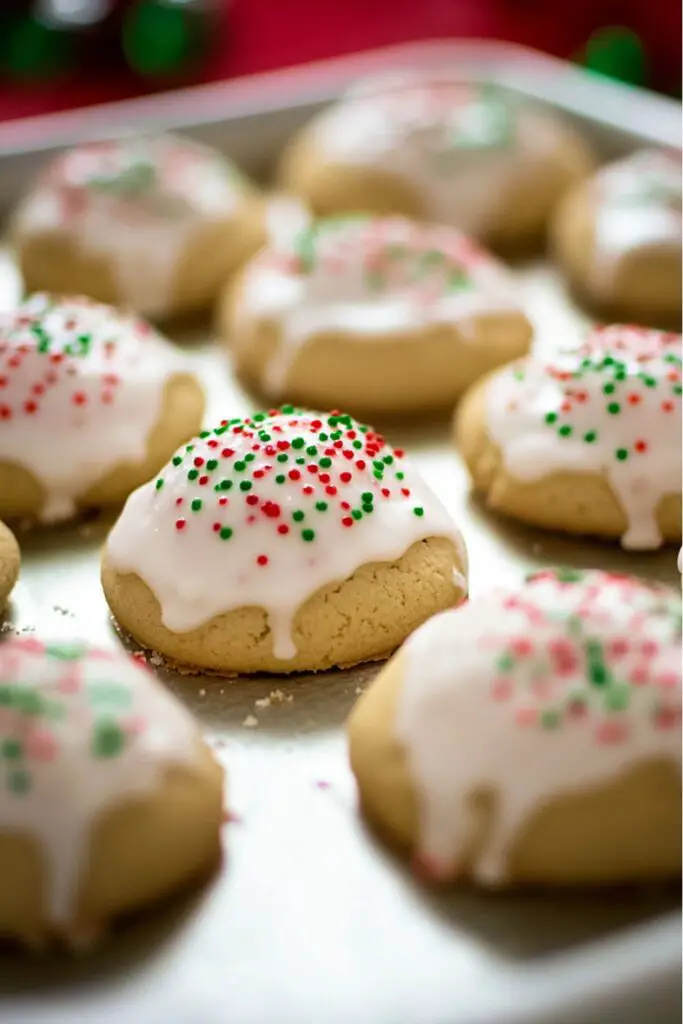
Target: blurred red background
x=259, y=35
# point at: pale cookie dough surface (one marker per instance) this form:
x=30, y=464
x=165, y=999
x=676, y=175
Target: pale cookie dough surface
x=109, y=797
x=284, y=542
x=532, y=736
x=155, y=223
x=588, y=442
x=10, y=561
x=439, y=150
x=379, y=315
x=92, y=402
x=618, y=238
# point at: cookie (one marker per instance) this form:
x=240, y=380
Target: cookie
x=155, y=223
x=289, y=541
x=438, y=149
x=588, y=442
x=532, y=736
x=378, y=315
x=9, y=564
x=109, y=797
x=618, y=238
x=92, y=402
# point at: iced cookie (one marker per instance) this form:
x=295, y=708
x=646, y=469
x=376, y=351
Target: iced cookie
x=618, y=238
x=588, y=442
x=532, y=736
x=285, y=542
x=154, y=223
x=92, y=402
x=438, y=150
x=109, y=797
x=380, y=315
x=9, y=564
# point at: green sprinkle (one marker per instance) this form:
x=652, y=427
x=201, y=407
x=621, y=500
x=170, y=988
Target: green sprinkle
x=613, y=408
x=212, y=463
x=590, y=436
x=377, y=475
x=287, y=409
x=506, y=663
x=617, y=698
x=325, y=462
x=308, y=535
x=250, y=457
x=608, y=389
x=177, y=459
x=321, y=506
x=356, y=513
x=280, y=479
x=550, y=719
x=565, y=430
x=108, y=739
x=357, y=445
x=11, y=749
x=400, y=476
x=298, y=515
x=196, y=504
x=259, y=417
x=159, y=484
x=282, y=457
x=368, y=509
x=240, y=466
x=245, y=485
x=225, y=533
x=300, y=462
x=193, y=474
x=225, y=485
x=323, y=436
x=19, y=782
x=621, y=454
x=298, y=442
x=311, y=450
x=367, y=496
x=550, y=417
x=418, y=510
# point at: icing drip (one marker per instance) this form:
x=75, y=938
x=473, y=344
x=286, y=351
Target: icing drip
x=611, y=405
x=81, y=387
x=459, y=145
x=80, y=730
x=638, y=206
x=555, y=688
x=370, y=278
x=263, y=512
x=136, y=201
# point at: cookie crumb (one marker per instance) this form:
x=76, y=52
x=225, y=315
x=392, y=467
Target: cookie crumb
x=279, y=697
x=156, y=659
x=263, y=702
x=250, y=722
x=359, y=690
x=202, y=692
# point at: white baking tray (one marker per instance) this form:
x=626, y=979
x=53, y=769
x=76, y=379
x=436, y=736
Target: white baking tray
x=311, y=921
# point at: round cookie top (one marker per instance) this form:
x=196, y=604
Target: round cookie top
x=81, y=386
x=460, y=145
x=638, y=204
x=135, y=201
x=81, y=730
x=264, y=511
x=369, y=278
x=610, y=405
x=536, y=693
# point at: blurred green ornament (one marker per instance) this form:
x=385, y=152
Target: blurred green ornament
x=164, y=37
x=617, y=52
x=32, y=48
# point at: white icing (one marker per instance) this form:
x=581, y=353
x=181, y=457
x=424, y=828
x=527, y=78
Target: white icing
x=366, y=278
x=647, y=426
x=137, y=202
x=56, y=700
x=196, y=576
x=638, y=206
x=70, y=413
x=286, y=217
x=461, y=147
x=482, y=682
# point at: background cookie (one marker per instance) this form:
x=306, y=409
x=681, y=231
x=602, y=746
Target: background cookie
x=438, y=150
x=380, y=315
x=10, y=560
x=109, y=797
x=92, y=402
x=588, y=442
x=532, y=736
x=155, y=223
x=618, y=237
x=285, y=542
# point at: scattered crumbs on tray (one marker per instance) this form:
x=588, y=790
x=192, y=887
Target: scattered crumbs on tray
x=202, y=692
x=140, y=656
x=274, y=697
x=262, y=702
x=359, y=690
x=250, y=722
x=156, y=659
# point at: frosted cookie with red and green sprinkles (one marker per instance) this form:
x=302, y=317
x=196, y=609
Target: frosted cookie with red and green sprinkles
x=288, y=541
x=532, y=736
x=588, y=442
x=10, y=561
x=109, y=797
x=379, y=315
x=433, y=147
x=156, y=223
x=92, y=402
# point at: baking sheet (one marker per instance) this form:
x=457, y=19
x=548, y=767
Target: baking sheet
x=311, y=920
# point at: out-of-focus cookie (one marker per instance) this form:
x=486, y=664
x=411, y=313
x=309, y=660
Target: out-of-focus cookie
x=438, y=149
x=285, y=542
x=10, y=561
x=155, y=223
x=379, y=315
x=109, y=797
x=588, y=442
x=618, y=238
x=532, y=736
x=92, y=402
